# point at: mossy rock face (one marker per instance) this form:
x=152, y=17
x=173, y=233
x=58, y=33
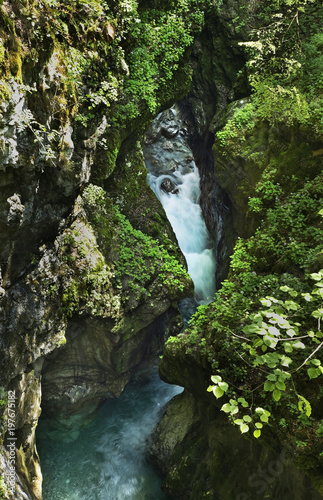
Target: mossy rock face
x=129, y=189
x=118, y=286
x=252, y=156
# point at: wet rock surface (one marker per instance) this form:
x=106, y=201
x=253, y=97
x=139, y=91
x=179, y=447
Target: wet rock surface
x=168, y=186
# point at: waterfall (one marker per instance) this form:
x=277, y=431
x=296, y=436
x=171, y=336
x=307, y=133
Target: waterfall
x=174, y=177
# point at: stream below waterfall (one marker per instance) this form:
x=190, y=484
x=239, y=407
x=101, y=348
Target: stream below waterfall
x=108, y=459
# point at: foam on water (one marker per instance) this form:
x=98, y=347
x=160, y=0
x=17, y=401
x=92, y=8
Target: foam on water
x=185, y=215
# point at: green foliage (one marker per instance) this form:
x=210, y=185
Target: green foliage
x=113, y=264
x=242, y=119
x=285, y=67
x=291, y=234
x=273, y=339
x=160, y=40
x=141, y=258
x=278, y=104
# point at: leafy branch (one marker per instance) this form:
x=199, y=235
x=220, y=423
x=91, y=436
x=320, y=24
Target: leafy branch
x=271, y=339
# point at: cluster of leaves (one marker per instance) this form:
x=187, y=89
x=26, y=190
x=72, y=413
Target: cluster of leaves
x=277, y=342
x=160, y=39
x=292, y=235
x=278, y=339
x=263, y=333
x=242, y=119
x=285, y=67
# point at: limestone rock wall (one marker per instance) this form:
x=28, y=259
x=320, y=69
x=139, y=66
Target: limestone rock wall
x=90, y=270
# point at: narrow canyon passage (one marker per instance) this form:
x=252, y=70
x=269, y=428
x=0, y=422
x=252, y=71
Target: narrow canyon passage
x=107, y=460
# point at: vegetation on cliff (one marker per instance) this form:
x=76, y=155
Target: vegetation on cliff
x=261, y=339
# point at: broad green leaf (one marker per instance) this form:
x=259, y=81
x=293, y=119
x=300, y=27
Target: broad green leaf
x=247, y=419
x=283, y=323
x=257, y=433
x=226, y=408
x=318, y=313
x=269, y=386
x=280, y=385
x=244, y=428
x=272, y=377
x=291, y=305
x=218, y=392
x=285, y=361
x=298, y=345
x=239, y=421
x=316, y=276
x=250, y=329
x=216, y=379
x=259, y=425
x=288, y=347
x=256, y=318
x=276, y=395
x=264, y=418
x=284, y=288
x=224, y=386
x=313, y=372
x=210, y=388
x=303, y=403
x=280, y=311
x=266, y=302
x=307, y=297
x=243, y=402
x=270, y=342
x=274, y=331
x=315, y=362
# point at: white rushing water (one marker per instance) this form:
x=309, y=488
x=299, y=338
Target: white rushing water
x=185, y=215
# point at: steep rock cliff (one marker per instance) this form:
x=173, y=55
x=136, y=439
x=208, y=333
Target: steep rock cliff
x=90, y=273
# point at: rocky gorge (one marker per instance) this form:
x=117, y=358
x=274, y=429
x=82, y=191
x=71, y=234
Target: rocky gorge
x=91, y=272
